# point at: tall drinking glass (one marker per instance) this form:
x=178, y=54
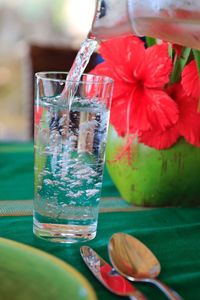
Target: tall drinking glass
x=69, y=139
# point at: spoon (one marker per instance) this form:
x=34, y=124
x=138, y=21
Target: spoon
x=132, y=259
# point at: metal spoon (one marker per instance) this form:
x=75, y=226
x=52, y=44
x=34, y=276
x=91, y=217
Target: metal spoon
x=132, y=259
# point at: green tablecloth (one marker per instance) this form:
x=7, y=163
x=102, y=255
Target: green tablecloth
x=173, y=234
x=16, y=173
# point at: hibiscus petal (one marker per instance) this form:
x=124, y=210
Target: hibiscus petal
x=118, y=73
x=121, y=93
x=191, y=80
x=158, y=66
x=192, y=134
x=189, y=121
x=160, y=140
x=120, y=116
x=153, y=110
x=122, y=88
x=123, y=54
x=103, y=69
x=118, y=50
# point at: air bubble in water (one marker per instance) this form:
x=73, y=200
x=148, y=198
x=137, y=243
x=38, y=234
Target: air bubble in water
x=91, y=193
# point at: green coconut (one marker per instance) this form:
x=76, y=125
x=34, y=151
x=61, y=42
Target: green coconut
x=155, y=177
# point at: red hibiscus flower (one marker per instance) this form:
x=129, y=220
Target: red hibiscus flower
x=145, y=104
x=191, y=80
x=139, y=100
x=188, y=124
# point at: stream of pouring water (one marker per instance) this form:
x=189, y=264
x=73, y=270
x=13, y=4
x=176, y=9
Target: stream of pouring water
x=77, y=69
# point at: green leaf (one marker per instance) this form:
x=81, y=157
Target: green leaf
x=176, y=72
x=185, y=54
x=150, y=41
x=197, y=58
x=170, y=50
x=179, y=64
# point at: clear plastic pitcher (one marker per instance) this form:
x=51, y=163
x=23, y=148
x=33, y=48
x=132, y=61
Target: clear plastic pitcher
x=177, y=21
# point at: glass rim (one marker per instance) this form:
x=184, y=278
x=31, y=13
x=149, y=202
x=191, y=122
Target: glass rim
x=41, y=75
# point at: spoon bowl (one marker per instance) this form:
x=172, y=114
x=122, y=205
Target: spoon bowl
x=132, y=259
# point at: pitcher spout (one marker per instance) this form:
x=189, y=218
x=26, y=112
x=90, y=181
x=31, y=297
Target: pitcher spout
x=110, y=19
